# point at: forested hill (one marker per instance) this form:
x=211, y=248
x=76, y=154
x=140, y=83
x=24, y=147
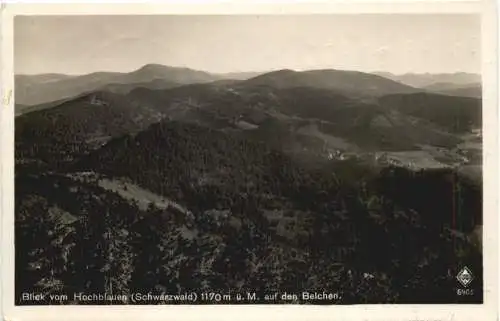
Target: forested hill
x=343, y=81
x=175, y=155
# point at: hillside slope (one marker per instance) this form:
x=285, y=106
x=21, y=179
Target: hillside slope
x=61, y=133
x=455, y=114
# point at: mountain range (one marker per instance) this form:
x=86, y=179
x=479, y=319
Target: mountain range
x=34, y=90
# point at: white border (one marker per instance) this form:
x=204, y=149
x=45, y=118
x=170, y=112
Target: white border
x=484, y=312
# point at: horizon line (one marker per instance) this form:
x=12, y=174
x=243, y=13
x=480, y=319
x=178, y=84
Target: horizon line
x=251, y=71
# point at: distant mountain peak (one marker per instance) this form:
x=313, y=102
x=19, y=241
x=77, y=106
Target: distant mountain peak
x=152, y=68
x=35, y=90
x=162, y=68
x=152, y=65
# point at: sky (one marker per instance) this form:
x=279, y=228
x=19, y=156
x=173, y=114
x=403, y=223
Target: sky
x=397, y=43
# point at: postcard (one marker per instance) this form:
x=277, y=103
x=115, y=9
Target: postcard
x=265, y=161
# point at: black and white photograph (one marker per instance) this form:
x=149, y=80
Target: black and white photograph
x=295, y=159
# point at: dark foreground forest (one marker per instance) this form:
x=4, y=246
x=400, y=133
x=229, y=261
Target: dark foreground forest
x=374, y=235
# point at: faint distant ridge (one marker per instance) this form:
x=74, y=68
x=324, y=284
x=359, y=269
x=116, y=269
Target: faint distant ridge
x=422, y=80
x=43, y=77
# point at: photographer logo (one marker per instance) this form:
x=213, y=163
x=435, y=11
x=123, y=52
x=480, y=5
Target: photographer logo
x=465, y=276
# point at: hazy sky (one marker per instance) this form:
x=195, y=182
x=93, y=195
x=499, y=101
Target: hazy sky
x=395, y=43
